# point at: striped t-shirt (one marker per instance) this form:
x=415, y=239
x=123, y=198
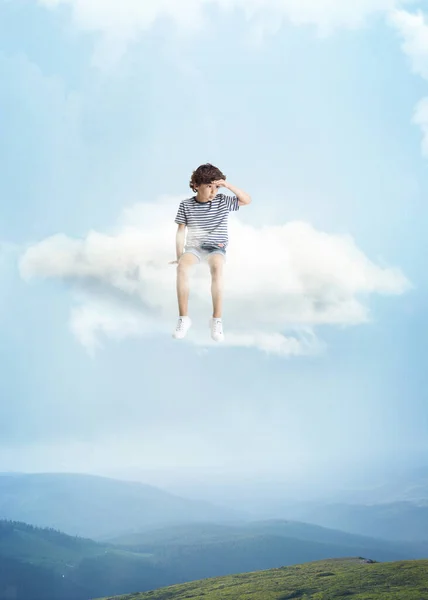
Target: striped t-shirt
x=206, y=221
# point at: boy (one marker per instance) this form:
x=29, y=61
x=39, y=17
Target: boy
x=205, y=216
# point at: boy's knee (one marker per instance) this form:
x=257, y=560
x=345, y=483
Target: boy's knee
x=216, y=269
x=182, y=268
x=185, y=263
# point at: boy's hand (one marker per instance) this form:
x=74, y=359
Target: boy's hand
x=222, y=183
x=243, y=197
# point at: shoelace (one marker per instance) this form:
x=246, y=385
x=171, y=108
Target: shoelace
x=180, y=325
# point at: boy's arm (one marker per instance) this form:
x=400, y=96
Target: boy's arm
x=243, y=197
x=179, y=239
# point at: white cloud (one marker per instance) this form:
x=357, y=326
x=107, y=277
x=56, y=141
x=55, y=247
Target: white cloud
x=281, y=282
x=122, y=22
x=413, y=29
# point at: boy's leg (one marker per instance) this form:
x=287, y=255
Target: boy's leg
x=186, y=261
x=216, y=263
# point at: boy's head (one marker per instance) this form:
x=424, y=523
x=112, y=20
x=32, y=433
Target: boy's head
x=203, y=177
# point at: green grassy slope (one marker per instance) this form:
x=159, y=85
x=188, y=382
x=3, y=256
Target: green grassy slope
x=343, y=579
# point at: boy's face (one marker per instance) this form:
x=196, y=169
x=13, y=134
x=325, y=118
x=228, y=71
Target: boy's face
x=207, y=191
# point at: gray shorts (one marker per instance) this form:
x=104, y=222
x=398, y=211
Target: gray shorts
x=205, y=250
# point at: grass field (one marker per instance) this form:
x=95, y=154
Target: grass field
x=347, y=579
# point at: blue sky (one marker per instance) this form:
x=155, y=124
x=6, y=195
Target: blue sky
x=103, y=124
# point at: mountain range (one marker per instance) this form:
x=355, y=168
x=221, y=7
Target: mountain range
x=44, y=564
x=74, y=537
x=98, y=507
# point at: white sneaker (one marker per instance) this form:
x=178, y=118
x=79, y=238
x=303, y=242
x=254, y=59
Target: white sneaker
x=183, y=326
x=217, y=330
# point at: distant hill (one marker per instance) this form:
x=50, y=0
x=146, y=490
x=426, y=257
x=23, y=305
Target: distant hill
x=44, y=547
x=205, y=550
x=44, y=564
x=325, y=580
x=390, y=485
x=393, y=521
x=200, y=533
x=34, y=561
x=101, y=508
x=97, y=507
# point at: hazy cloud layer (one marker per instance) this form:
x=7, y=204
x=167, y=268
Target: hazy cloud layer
x=122, y=22
x=281, y=282
x=131, y=16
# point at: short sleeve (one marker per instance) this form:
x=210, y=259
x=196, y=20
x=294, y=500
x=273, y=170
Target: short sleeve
x=232, y=202
x=180, y=219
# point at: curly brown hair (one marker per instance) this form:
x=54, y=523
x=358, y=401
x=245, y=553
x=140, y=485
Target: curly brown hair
x=205, y=174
